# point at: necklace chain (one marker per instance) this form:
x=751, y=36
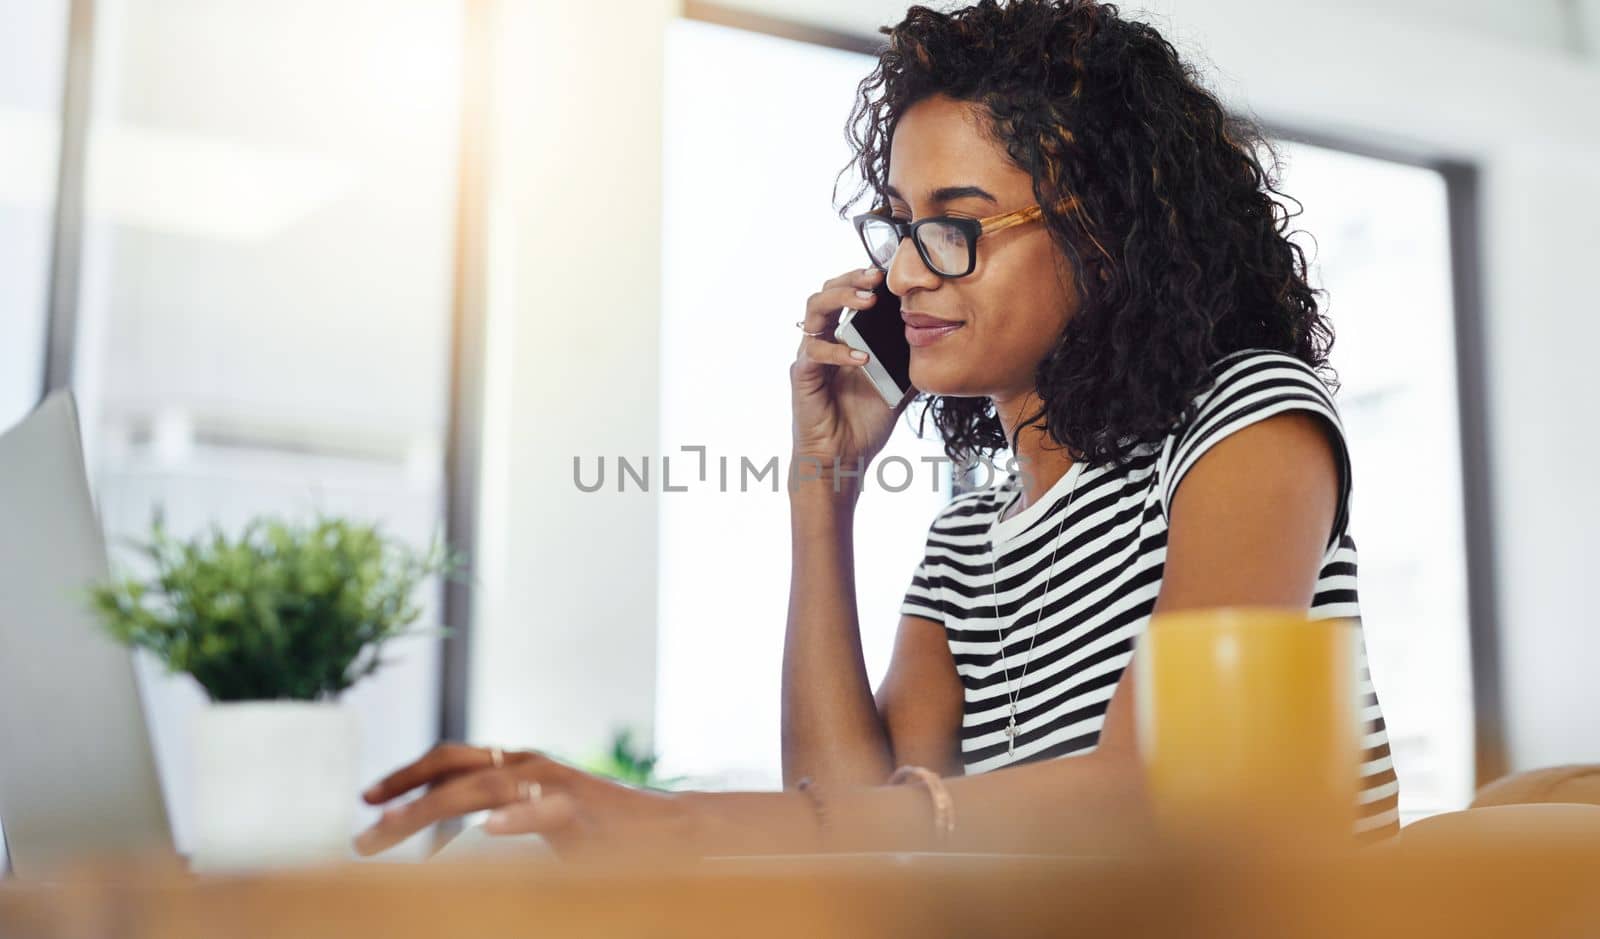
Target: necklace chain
x=1013, y=697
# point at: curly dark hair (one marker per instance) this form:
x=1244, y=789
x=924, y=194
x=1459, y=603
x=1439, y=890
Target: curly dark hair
x=1152, y=191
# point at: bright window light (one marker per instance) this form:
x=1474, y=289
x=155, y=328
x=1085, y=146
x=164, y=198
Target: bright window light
x=753, y=139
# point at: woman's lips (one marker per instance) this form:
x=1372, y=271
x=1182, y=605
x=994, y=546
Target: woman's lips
x=928, y=335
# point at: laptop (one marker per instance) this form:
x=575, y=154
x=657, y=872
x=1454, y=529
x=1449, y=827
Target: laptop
x=77, y=776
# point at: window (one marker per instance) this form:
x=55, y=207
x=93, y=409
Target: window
x=30, y=136
x=266, y=293
x=1381, y=248
x=753, y=133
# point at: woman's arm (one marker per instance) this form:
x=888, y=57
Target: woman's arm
x=831, y=729
x=921, y=698
x=1248, y=527
x=834, y=728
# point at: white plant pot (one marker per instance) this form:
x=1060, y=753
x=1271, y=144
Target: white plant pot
x=275, y=784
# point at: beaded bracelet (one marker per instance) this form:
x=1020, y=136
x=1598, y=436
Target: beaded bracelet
x=944, y=812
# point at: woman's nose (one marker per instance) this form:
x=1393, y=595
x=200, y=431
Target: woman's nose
x=907, y=270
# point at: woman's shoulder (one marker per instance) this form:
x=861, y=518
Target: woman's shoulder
x=1276, y=366
x=1245, y=379
x=1266, y=367
x=1247, y=387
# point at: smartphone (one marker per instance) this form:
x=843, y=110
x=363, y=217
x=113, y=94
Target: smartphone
x=881, y=334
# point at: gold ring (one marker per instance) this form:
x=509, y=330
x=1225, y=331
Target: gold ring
x=497, y=757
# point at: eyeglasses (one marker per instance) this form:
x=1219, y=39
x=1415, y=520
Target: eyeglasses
x=947, y=244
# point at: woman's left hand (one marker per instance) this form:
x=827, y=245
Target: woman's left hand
x=528, y=792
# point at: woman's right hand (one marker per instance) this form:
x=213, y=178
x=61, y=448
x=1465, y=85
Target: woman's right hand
x=837, y=411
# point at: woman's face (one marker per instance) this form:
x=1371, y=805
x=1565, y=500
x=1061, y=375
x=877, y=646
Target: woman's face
x=1017, y=299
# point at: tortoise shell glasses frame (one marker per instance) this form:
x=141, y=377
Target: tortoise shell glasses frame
x=946, y=260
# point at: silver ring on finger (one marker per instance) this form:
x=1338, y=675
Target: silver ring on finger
x=528, y=791
x=801, y=325
x=497, y=757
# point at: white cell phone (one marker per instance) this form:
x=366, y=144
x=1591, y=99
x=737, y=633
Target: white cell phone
x=880, y=333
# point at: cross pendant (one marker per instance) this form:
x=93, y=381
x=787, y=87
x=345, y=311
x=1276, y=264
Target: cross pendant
x=1011, y=732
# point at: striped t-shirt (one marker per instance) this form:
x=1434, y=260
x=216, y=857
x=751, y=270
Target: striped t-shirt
x=1108, y=572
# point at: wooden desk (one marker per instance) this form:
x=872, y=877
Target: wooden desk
x=1512, y=891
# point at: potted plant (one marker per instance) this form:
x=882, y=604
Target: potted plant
x=628, y=762
x=274, y=625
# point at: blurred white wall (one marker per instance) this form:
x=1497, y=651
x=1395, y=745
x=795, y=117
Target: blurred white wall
x=30, y=97
x=564, y=649
x=740, y=238
x=569, y=647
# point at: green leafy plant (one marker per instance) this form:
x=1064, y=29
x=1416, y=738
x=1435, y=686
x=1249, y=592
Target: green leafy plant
x=299, y=611
x=628, y=763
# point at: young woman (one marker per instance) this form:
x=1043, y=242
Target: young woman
x=1095, y=276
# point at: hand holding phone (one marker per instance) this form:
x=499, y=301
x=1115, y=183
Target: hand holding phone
x=879, y=332
x=838, y=399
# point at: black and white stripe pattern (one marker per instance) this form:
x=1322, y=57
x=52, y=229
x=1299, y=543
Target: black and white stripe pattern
x=1107, y=575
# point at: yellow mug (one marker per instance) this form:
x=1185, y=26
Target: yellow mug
x=1249, y=727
